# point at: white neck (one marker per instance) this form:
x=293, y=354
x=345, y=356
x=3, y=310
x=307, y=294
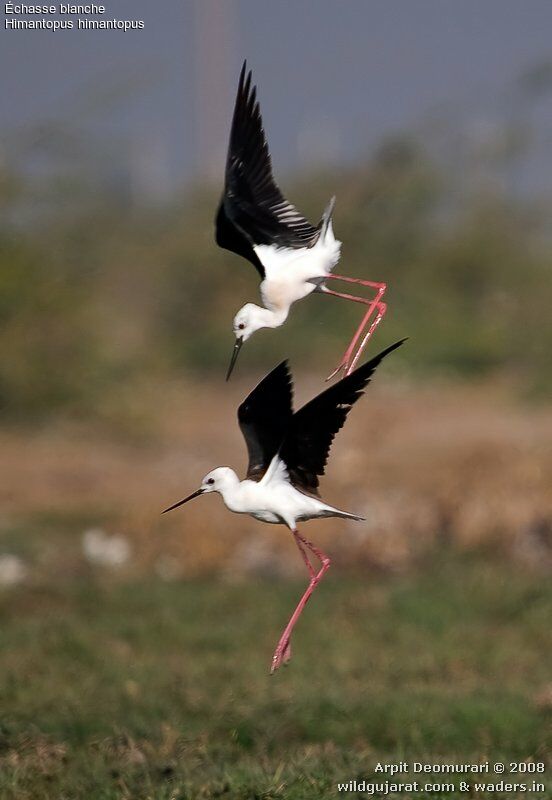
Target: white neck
x=271, y=319
x=230, y=490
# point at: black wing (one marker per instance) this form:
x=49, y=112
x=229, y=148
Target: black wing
x=230, y=237
x=253, y=210
x=264, y=417
x=307, y=444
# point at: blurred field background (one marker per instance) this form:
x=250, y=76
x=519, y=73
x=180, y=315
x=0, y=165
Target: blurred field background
x=135, y=647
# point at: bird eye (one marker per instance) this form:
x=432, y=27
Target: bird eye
x=211, y=481
x=241, y=326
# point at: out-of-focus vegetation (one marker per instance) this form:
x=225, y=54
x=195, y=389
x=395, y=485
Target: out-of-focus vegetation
x=148, y=689
x=98, y=293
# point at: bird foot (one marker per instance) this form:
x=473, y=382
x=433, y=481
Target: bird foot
x=282, y=655
x=343, y=365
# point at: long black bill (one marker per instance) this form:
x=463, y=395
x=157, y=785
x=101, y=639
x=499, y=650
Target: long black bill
x=235, y=353
x=181, y=502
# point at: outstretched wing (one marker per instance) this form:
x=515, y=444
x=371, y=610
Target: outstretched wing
x=252, y=207
x=307, y=444
x=264, y=417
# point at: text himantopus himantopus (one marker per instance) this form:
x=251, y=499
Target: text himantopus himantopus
x=293, y=257
x=287, y=452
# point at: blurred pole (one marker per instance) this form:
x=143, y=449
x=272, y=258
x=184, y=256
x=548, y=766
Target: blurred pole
x=150, y=176
x=216, y=23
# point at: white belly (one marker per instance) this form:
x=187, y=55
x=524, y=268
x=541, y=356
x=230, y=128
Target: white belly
x=291, y=275
x=275, y=503
x=267, y=516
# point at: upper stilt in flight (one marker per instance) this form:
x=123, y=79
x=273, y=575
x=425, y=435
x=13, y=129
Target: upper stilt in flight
x=293, y=257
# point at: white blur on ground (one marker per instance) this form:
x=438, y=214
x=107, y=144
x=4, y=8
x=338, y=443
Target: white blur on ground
x=12, y=570
x=100, y=548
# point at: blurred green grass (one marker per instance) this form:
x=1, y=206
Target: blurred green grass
x=150, y=689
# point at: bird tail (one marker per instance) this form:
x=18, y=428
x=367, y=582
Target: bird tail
x=347, y=515
x=337, y=512
x=325, y=223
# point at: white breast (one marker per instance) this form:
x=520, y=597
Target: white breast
x=300, y=265
x=291, y=275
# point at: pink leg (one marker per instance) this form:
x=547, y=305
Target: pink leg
x=348, y=362
x=349, y=359
x=286, y=652
x=382, y=308
x=282, y=654
x=347, y=279
x=302, y=543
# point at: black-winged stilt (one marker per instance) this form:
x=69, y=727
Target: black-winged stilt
x=287, y=452
x=293, y=257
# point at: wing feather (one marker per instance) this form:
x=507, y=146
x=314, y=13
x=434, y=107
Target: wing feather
x=264, y=417
x=307, y=444
x=252, y=201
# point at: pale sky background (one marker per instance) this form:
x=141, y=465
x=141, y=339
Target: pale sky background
x=334, y=76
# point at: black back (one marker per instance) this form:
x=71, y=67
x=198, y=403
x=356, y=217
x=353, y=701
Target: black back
x=264, y=417
x=307, y=443
x=253, y=210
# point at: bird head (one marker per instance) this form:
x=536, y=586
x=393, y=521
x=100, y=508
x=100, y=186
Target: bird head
x=215, y=481
x=248, y=320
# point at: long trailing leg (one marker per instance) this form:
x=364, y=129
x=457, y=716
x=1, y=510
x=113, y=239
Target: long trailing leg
x=282, y=654
x=382, y=308
x=348, y=361
x=286, y=652
x=350, y=358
